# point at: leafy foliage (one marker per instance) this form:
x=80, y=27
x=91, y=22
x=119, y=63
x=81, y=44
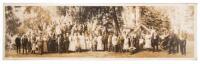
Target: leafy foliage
x=152, y=18
x=12, y=22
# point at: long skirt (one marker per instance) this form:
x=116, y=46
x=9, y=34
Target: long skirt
x=125, y=45
x=147, y=44
x=83, y=45
x=72, y=46
x=100, y=45
x=45, y=46
x=33, y=46
x=88, y=45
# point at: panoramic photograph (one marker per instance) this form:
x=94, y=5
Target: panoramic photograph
x=109, y=31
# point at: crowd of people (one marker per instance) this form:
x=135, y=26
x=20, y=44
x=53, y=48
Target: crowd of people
x=80, y=40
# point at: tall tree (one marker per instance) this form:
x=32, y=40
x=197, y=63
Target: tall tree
x=152, y=18
x=12, y=21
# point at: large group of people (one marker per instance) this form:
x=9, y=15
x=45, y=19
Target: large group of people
x=101, y=40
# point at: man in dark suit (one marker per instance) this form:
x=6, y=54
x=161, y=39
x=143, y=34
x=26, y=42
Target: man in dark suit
x=62, y=43
x=155, y=42
x=183, y=44
x=29, y=45
x=59, y=43
x=24, y=44
x=136, y=43
x=183, y=47
x=18, y=44
x=172, y=43
x=66, y=41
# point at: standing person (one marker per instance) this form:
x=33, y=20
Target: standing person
x=120, y=43
x=45, y=48
x=99, y=43
x=105, y=42
x=59, y=43
x=24, y=44
x=34, y=42
x=33, y=46
x=141, y=42
x=177, y=43
x=54, y=44
x=63, y=43
x=82, y=42
x=172, y=41
x=18, y=43
x=29, y=44
x=67, y=41
x=72, y=44
x=155, y=40
x=40, y=44
x=183, y=43
x=91, y=42
x=183, y=46
x=109, y=43
x=49, y=45
x=114, y=42
x=147, y=42
x=94, y=43
x=136, y=43
x=126, y=43
x=77, y=40
x=87, y=42
x=133, y=40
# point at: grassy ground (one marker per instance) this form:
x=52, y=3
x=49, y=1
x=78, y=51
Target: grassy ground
x=104, y=54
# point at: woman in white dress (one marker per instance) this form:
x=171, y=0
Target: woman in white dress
x=114, y=42
x=88, y=43
x=33, y=48
x=33, y=42
x=109, y=42
x=99, y=43
x=147, y=44
x=77, y=42
x=82, y=42
x=37, y=41
x=45, y=44
x=141, y=42
x=93, y=42
x=126, y=45
x=72, y=44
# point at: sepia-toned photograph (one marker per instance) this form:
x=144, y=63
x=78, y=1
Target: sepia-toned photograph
x=99, y=31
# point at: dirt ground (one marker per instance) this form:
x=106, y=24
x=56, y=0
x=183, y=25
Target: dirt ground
x=104, y=54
